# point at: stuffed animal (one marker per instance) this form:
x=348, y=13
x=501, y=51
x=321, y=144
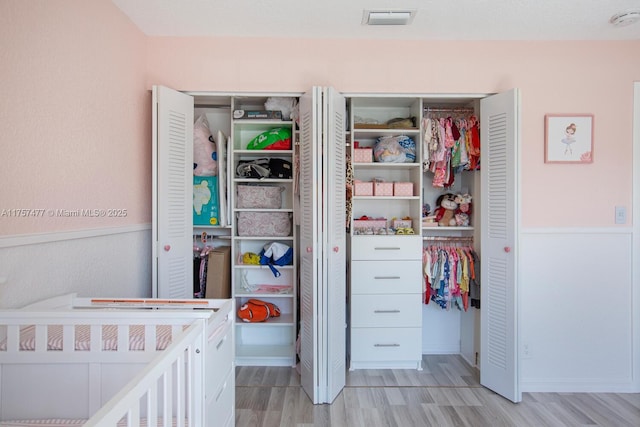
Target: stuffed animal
x=445, y=212
x=464, y=209
x=256, y=310
x=205, y=156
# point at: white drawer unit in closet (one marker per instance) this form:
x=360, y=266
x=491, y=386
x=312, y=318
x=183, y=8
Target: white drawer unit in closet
x=375, y=277
x=386, y=302
x=383, y=248
x=382, y=348
x=386, y=311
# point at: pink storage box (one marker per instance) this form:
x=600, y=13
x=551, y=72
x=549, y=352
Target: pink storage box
x=363, y=188
x=383, y=188
x=363, y=155
x=404, y=189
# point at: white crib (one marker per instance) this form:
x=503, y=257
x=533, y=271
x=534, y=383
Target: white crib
x=117, y=362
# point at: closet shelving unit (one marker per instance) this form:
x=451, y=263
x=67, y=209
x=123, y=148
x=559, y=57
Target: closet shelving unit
x=495, y=208
x=269, y=343
x=385, y=281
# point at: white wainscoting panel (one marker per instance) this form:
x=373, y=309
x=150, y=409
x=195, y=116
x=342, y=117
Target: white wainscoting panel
x=576, y=311
x=106, y=262
x=440, y=330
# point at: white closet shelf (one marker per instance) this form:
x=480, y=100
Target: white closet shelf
x=270, y=238
x=263, y=210
x=263, y=295
x=285, y=319
x=426, y=230
x=262, y=153
x=385, y=131
x=387, y=198
x=246, y=123
x=254, y=266
x=386, y=166
x=261, y=354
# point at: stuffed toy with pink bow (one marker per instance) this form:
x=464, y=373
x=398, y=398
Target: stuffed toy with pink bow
x=205, y=156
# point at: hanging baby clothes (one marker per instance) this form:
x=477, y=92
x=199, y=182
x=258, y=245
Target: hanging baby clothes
x=442, y=156
x=200, y=264
x=474, y=280
x=449, y=274
x=429, y=143
x=451, y=144
x=473, y=143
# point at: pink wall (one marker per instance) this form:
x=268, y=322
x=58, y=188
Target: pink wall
x=554, y=77
x=75, y=128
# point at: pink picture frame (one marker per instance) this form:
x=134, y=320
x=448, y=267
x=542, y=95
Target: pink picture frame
x=568, y=138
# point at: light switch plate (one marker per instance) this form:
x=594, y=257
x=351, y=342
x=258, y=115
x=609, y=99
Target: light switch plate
x=621, y=215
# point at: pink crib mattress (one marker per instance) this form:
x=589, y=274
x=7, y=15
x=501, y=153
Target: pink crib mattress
x=42, y=423
x=83, y=338
x=64, y=423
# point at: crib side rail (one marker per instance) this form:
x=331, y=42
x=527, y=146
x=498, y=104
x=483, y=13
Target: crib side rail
x=173, y=378
x=64, y=335
x=77, y=335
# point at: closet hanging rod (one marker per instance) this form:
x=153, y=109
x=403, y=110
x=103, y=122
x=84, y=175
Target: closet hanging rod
x=222, y=107
x=212, y=236
x=447, y=239
x=449, y=110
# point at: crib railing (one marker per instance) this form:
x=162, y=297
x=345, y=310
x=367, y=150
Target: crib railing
x=169, y=390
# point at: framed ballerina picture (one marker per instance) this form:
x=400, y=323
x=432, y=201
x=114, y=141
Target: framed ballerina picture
x=568, y=138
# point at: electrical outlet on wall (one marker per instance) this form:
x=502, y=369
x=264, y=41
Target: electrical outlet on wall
x=526, y=351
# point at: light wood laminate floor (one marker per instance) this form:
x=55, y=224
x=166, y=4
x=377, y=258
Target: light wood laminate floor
x=445, y=393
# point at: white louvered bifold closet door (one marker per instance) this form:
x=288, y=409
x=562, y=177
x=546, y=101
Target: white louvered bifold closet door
x=310, y=149
x=335, y=278
x=322, y=244
x=499, y=324
x=172, y=275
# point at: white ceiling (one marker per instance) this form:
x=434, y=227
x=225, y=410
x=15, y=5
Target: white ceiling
x=435, y=19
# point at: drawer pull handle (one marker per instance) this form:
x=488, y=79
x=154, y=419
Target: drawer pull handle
x=386, y=311
x=386, y=345
x=224, y=386
x=391, y=248
x=386, y=277
x=221, y=342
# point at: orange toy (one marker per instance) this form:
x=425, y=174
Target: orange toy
x=256, y=310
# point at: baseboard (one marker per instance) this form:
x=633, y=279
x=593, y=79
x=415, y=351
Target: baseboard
x=553, y=385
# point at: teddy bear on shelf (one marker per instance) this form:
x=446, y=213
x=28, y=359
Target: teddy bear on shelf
x=464, y=209
x=445, y=212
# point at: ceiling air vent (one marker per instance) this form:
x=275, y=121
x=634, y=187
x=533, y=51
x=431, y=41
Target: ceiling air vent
x=388, y=17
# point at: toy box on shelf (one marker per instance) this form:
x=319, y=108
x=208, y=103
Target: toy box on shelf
x=369, y=225
x=401, y=223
